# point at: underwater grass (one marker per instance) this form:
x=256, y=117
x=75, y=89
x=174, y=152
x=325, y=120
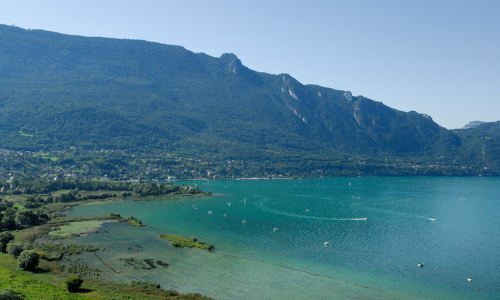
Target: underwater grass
x=77, y=228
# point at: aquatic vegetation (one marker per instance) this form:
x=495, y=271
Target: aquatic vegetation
x=80, y=268
x=52, y=256
x=71, y=229
x=133, y=221
x=70, y=249
x=181, y=242
x=144, y=264
x=160, y=263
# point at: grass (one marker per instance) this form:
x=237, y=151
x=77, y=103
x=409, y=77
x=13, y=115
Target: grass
x=181, y=242
x=21, y=133
x=19, y=205
x=29, y=285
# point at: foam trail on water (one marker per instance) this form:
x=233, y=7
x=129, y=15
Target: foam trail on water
x=261, y=205
x=386, y=211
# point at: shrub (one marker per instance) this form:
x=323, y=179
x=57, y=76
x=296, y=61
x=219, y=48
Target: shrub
x=73, y=283
x=144, y=285
x=28, y=260
x=14, y=249
x=8, y=294
x=171, y=293
x=54, y=256
x=194, y=239
x=5, y=238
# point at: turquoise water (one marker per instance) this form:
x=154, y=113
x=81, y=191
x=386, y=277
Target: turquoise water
x=372, y=258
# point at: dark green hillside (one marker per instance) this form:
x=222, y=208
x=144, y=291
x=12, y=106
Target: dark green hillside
x=58, y=91
x=481, y=145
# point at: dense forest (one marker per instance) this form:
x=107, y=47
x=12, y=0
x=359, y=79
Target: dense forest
x=173, y=107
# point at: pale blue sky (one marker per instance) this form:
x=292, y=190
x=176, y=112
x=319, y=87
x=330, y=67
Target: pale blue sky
x=441, y=58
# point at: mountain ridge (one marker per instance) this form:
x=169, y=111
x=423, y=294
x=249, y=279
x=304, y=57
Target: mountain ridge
x=66, y=90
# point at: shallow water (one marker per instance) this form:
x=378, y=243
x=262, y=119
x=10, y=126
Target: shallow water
x=372, y=258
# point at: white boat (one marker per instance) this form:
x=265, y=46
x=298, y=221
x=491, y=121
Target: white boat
x=420, y=264
x=327, y=243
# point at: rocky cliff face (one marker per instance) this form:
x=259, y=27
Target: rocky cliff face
x=472, y=124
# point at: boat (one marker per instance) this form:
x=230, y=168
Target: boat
x=327, y=243
x=420, y=264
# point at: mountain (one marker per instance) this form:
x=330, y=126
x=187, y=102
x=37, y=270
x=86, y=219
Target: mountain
x=472, y=124
x=59, y=91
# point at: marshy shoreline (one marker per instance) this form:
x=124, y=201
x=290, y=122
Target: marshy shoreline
x=58, y=243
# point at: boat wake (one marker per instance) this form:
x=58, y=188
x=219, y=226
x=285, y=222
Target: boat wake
x=261, y=206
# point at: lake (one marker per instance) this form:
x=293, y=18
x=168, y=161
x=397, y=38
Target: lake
x=270, y=239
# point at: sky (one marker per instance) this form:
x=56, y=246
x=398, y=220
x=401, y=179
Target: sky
x=441, y=58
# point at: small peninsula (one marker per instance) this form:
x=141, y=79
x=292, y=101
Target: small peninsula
x=181, y=242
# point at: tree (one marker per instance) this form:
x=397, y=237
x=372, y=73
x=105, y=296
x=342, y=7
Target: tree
x=5, y=238
x=27, y=217
x=9, y=218
x=73, y=283
x=14, y=249
x=8, y=294
x=28, y=260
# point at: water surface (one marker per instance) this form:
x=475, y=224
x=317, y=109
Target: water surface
x=270, y=239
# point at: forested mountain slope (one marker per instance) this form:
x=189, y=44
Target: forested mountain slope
x=58, y=91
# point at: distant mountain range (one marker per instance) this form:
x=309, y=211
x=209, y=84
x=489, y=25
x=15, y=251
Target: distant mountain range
x=472, y=124
x=59, y=91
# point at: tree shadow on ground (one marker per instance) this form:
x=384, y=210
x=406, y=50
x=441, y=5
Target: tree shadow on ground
x=83, y=291
x=40, y=270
